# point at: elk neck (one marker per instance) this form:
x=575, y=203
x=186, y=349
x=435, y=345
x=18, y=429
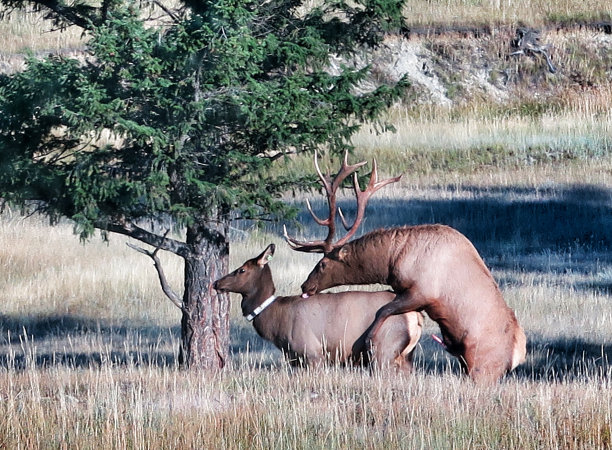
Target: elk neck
x=271, y=321
x=261, y=291
x=367, y=259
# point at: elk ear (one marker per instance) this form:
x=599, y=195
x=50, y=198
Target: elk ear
x=266, y=256
x=343, y=253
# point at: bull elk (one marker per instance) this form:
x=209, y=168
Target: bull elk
x=431, y=268
x=324, y=328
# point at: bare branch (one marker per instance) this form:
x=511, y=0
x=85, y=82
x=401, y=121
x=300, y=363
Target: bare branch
x=173, y=296
x=83, y=16
x=167, y=11
x=279, y=155
x=527, y=41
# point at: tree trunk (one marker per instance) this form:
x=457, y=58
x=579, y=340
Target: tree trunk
x=205, y=321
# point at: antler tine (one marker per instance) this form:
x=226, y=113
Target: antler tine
x=331, y=186
x=345, y=170
x=362, y=200
x=345, y=224
x=319, y=246
x=374, y=184
x=304, y=246
x=314, y=216
x=325, y=179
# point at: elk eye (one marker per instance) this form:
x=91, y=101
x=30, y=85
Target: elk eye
x=241, y=270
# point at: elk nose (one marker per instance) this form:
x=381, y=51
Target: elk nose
x=306, y=292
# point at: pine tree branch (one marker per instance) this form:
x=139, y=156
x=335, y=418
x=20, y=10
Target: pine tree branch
x=140, y=234
x=83, y=16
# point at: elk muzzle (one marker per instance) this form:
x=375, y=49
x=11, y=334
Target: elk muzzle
x=218, y=286
x=308, y=289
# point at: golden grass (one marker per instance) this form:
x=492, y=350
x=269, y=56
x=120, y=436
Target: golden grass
x=251, y=408
x=532, y=12
x=27, y=29
x=108, y=372
x=521, y=139
x=40, y=282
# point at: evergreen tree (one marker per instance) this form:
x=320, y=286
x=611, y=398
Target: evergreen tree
x=182, y=121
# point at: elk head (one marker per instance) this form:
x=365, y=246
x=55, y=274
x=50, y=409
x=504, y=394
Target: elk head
x=252, y=280
x=333, y=268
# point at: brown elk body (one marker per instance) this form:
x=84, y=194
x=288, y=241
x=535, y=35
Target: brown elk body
x=325, y=327
x=431, y=268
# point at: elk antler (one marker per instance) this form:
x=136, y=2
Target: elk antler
x=362, y=201
x=331, y=186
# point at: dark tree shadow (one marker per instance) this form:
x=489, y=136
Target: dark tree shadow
x=245, y=339
x=565, y=360
x=512, y=227
x=27, y=342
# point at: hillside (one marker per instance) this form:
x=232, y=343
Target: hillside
x=465, y=65
x=459, y=65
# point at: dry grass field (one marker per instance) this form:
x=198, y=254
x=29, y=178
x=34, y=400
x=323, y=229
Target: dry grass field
x=89, y=343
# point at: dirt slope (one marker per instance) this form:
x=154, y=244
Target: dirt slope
x=461, y=66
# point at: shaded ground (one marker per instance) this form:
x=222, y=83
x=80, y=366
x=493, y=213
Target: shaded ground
x=561, y=359
x=81, y=342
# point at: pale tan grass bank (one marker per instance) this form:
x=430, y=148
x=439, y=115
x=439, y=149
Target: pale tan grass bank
x=28, y=30
x=532, y=12
x=45, y=270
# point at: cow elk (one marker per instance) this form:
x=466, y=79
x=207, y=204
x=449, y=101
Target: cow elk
x=431, y=268
x=325, y=327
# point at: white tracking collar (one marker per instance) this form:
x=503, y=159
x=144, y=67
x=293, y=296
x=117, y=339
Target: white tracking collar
x=260, y=308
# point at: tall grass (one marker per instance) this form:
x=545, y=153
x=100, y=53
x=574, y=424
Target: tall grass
x=503, y=146
x=153, y=408
x=38, y=282
x=23, y=30
x=437, y=144
x=532, y=12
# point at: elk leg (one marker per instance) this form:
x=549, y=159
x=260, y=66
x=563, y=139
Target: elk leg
x=404, y=302
x=388, y=352
x=394, y=343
